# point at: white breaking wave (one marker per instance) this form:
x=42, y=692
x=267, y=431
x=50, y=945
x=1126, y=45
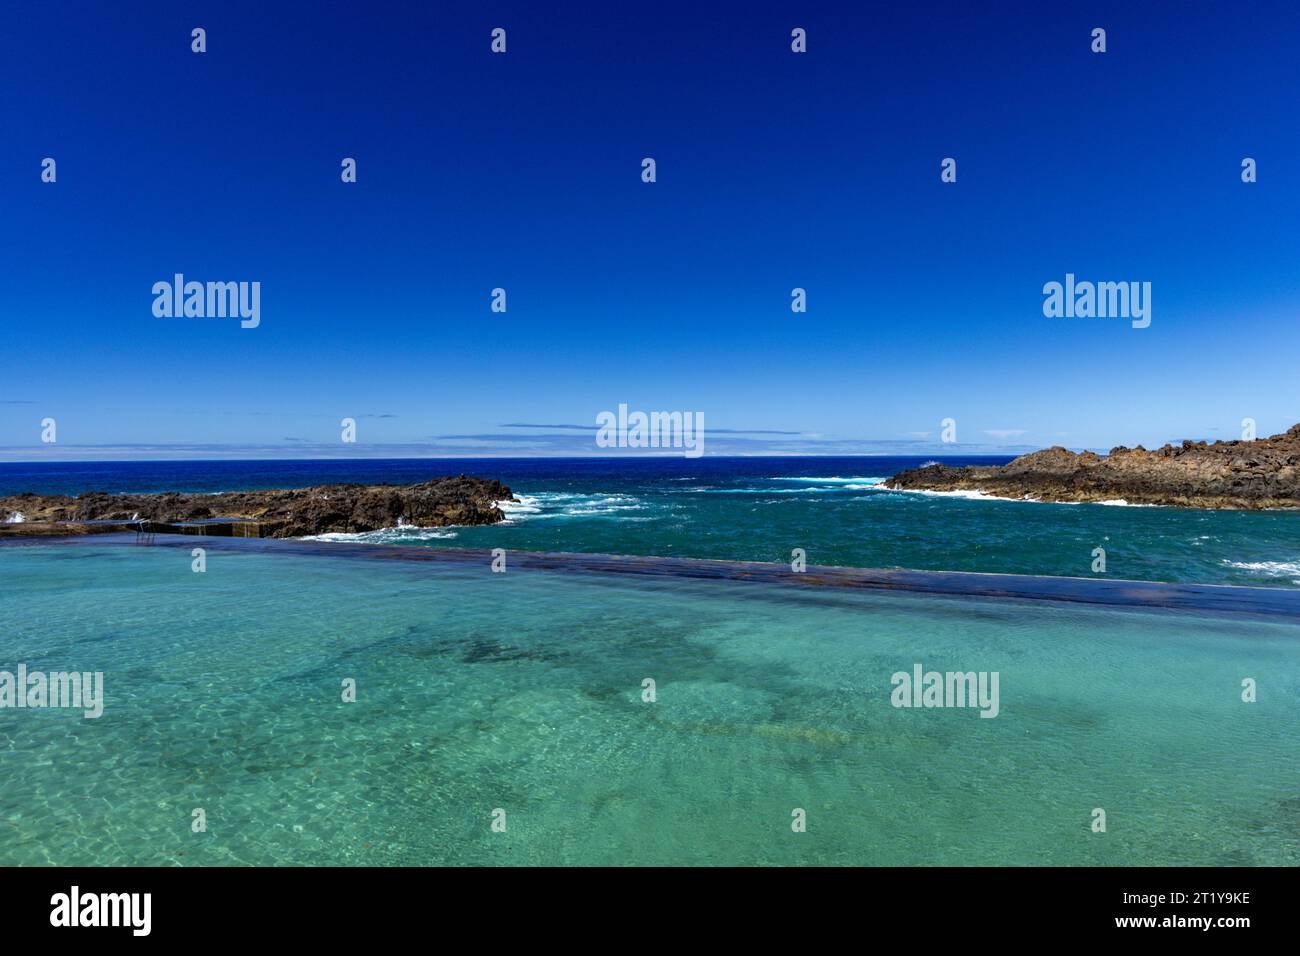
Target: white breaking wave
x=525, y=506
x=775, y=491
x=399, y=535
x=848, y=486
x=831, y=484
x=972, y=494
x=563, y=504
x=834, y=480
x=969, y=494
x=1271, y=569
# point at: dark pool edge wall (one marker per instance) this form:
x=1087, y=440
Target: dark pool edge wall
x=1212, y=598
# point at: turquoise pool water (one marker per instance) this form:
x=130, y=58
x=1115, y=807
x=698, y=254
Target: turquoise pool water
x=522, y=691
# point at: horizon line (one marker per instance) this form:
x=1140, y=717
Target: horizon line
x=652, y=457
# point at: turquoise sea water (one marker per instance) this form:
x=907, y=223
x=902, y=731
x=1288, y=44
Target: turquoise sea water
x=760, y=509
x=522, y=691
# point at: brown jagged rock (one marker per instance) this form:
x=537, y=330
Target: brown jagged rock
x=1264, y=473
x=284, y=514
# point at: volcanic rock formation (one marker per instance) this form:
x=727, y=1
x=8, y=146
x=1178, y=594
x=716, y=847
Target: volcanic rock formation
x=1226, y=474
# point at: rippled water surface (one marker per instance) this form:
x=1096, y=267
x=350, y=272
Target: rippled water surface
x=523, y=692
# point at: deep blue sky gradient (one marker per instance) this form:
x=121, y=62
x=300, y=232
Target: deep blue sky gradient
x=775, y=170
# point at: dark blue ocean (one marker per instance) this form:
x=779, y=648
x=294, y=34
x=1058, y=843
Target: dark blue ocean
x=760, y=509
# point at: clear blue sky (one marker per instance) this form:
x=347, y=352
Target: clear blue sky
x=522, y=171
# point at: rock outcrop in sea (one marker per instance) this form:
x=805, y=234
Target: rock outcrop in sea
x=269, y=514
x=1264, y=473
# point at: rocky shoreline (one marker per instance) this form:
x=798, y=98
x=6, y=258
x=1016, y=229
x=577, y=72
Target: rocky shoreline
x=322, y=509
x=1264, y=473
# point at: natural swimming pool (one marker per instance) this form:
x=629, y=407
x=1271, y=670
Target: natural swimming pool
x=524, y=692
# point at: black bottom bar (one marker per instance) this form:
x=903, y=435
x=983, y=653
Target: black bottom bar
x=337, y=906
